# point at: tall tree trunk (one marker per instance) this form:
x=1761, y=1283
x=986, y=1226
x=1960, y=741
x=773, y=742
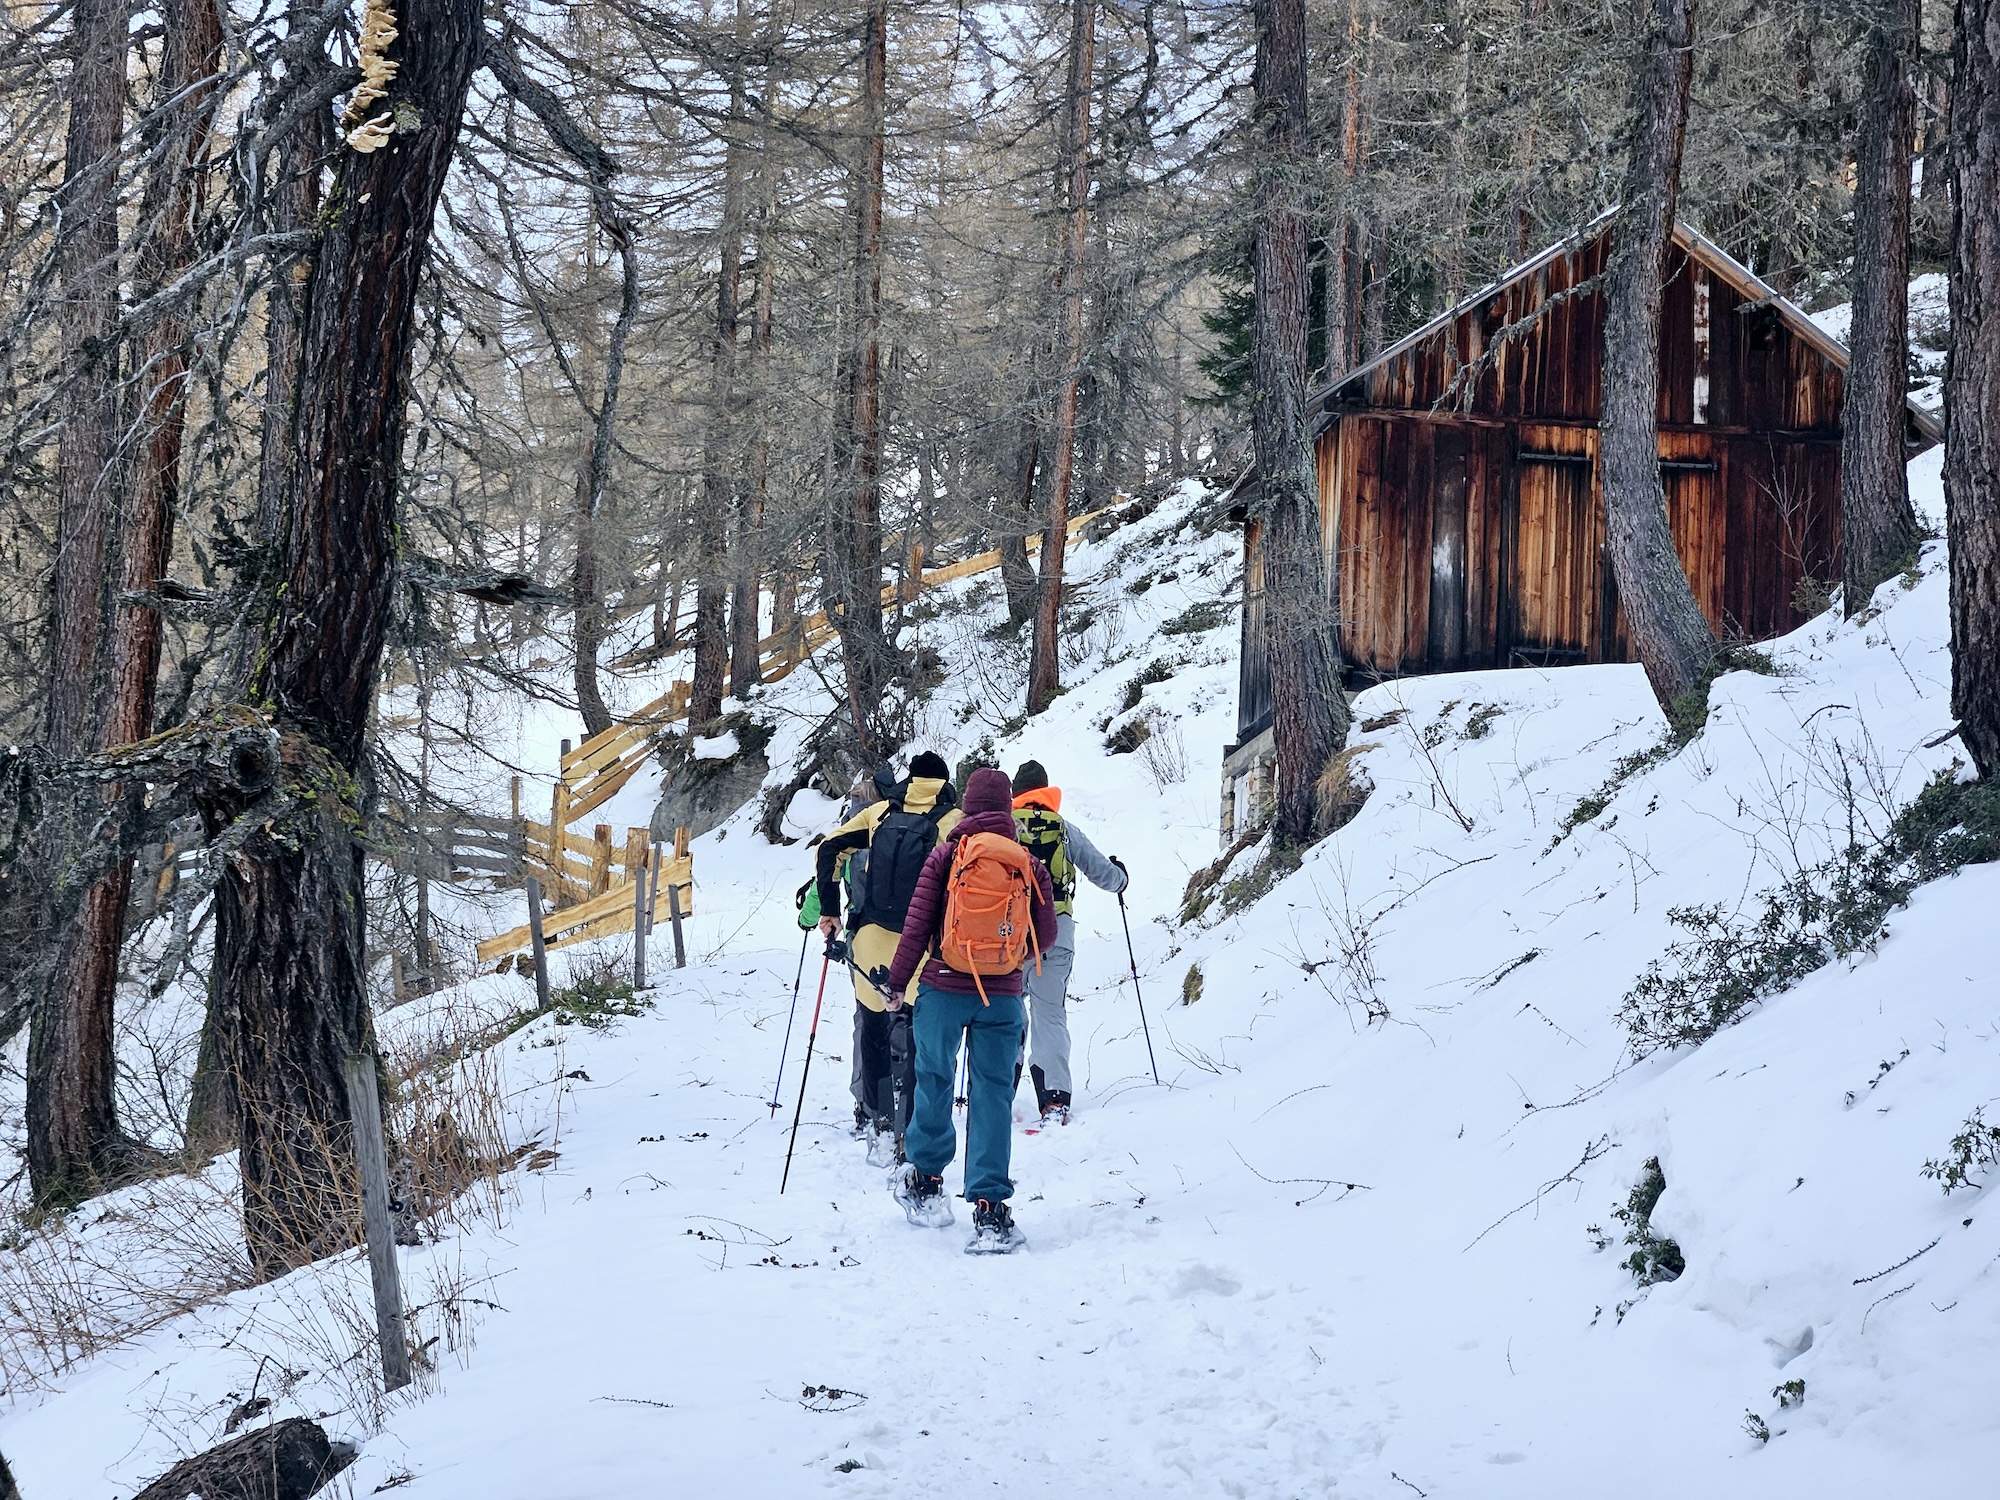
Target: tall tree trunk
x=1309, y=716
x=586, y=592
x=1672, y=638
x=86, y=976
x=1879, y=534
x=1017, y=573
x=1972, y=383
x=1044, y=665
x=291, y=910
x=720, y=527
x=293, y=207
x=854, y=525
x=1342, y=252
x=73, y=1137
x=1459, y=127
x=1930, y=218
x=783, y=611
x=746, y=559
x=1375, y=289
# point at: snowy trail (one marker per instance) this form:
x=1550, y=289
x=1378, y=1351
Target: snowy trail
x=1331, y=1256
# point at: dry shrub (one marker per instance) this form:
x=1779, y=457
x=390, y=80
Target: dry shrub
x=1342, y=787
x=1164, y=751
x=79, y=1282
x=449, y=1110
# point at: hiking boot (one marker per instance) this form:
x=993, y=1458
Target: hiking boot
x=923, y=1199
x=883, y=1147
x=993, y=1230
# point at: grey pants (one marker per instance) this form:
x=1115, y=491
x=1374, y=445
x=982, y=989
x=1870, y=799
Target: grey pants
x=1047, y=1043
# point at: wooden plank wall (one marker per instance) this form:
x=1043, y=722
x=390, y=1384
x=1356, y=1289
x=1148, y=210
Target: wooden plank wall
x=1458, y=537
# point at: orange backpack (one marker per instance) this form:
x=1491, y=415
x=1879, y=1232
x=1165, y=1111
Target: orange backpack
x=989, y=899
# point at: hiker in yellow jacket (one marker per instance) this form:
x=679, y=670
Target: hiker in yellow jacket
x=881, y=850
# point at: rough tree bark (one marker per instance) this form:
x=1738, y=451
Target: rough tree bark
x=1972, y=383
x=1879, y=534
x=1044, y=665
x=854, y=521
x=86, y=975
x=1668, y=631
x=73, y=1138
x=1309, y=718
x=290, y=909
x=293, y=207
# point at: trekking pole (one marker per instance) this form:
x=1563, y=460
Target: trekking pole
x=1134, y=957
x=834, y=948
x=785, y=1050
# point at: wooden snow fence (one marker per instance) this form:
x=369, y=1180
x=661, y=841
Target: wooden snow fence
x=615, y=907
x=581, y=874
x=596, y=770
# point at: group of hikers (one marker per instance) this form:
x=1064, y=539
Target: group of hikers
x=957, y=908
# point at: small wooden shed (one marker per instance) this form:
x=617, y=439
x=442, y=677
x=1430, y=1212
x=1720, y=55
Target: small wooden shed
x=1460, y=507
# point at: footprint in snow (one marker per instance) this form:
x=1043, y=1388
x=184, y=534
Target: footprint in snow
x=1205, y=1278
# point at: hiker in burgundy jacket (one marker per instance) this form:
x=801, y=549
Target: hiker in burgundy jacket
x=949, y=1006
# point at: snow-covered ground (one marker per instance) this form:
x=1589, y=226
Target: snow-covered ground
x=1330, y=1255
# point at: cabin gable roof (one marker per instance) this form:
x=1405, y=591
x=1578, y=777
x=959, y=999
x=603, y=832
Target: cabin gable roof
x=1349, y=391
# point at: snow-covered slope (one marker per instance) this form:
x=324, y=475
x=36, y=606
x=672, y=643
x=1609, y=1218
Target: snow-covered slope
x=1349, y=1247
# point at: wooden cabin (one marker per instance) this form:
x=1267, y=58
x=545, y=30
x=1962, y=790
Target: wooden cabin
x=1460, y=508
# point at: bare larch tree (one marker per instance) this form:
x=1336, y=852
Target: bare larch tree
x=1672, y=639
x=1309, y=717
x=291, y=908
x=1044, y=666
x=1972, y=383
x=1879, y=533
x=73, y=1137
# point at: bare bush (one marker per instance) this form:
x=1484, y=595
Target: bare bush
x=1164, y=751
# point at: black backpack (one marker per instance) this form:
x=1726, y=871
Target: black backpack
x=897, y=849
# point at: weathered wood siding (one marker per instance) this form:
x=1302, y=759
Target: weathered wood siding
x=1459, y=494
x=1459, y=478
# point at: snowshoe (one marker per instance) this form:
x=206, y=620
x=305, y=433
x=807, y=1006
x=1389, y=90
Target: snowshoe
x=923, y=1199
x=1054, y=1115
x=884, y=1150
x=859, y=1130
x=994, y=1231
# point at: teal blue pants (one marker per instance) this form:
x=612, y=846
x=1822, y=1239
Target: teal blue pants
x=992, y=1035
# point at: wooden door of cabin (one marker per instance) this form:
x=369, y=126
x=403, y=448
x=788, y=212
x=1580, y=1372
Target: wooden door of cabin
x=1554, y=540
x=1445, y=635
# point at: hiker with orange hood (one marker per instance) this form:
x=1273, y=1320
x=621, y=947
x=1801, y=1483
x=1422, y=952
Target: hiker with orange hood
x=983, y=910
x=1059, y=844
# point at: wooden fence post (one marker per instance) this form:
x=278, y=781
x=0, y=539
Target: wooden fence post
x=600, y=859
x=365, y=1106
x=639, y=914
x=674, y=896
x=659, y=864
x=674, y=911
x=558, y=826
x=541, y=950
